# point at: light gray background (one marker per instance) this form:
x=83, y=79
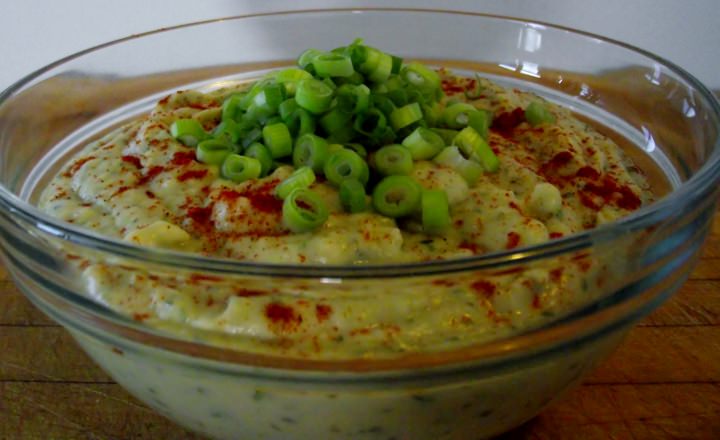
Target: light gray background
x=36, y=32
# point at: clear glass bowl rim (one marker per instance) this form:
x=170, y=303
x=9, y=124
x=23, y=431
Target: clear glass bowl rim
x=685, y=195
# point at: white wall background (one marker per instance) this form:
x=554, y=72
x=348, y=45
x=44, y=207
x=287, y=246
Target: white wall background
x=36, y=32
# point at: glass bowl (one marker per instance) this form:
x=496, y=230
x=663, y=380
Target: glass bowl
x=459, y=385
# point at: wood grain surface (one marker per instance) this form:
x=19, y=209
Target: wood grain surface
x=662, y=383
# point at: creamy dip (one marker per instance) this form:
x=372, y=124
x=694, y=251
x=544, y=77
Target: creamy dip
x=139, y=184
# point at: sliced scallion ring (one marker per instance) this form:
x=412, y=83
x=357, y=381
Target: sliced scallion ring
x=304, y=210
x=303, y=177
x=240, y=168
x=435, y=211
x=396, y=196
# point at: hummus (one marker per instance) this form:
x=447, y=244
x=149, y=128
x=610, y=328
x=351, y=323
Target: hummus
x=139, y=184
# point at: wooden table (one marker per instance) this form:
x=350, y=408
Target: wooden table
x=663, y=383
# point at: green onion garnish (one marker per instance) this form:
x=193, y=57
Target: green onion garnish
x=290, y=78
x=480, y=120
x=337, y=114
x=303, y=210
x=537, y=113
x=314, y=95
x=258, y=151
x=475, y=147
x=346, y=164
x=377, y=66
x=228, y=130
x=396, y=196
x=253, y=135
x=456, y=115
x=423, y=143
x=435, y=211
x=188, y=131
x=310, y=151
x=451, y=157
x=306, y=58
x=302, y=177
x=332, y=64
x=213, y=151
x=421, y=77
x=353, y=98
x=240, y=168
x=446, y=134
x=393, y=159
x=300, y=122
x=269, y=98
x=371, y=123
x=352, y=195
x=335, y=121
x=231, y=107
x=277, y=139
x=406, y=115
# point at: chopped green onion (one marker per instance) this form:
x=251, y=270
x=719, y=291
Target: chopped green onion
x=240, y=168
x=290, y=78
x=258, y=113
x=406, y=115
x=344, y=135
x=335, y=147
x=228, y=130
x=397, y=63
x=254, y=135
x=300, y=122
x=480, y=121
x=335, y=120
x=393, y=83
x=393, y=159
x=377, y=66
x=475, y=147
x=306, y=58
x=432, y=113
x=396, y=196
x=421, y=77
x=435, y=211
x=303, y=177
x=346, y=164
x=188, y=131
x=423, y=143
x=249, y=97
x=352, y=196
x=451, y=157
x=456, y=115
x=355, y=78
x=310, y=151
x=332, y=64
x=213, y=151
x=353, y=99
x=286, y=108
x=399, y=97
x=357, y=52
x=357, y=148
x=258, y=151
x=277, y=139
x=371, y=123
x=231, y=107
x=536, y=113
x=269, y=98
x=303, y=210
x=446, y=134
x=384, y=104
x=314, y=95
x=476, y=91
